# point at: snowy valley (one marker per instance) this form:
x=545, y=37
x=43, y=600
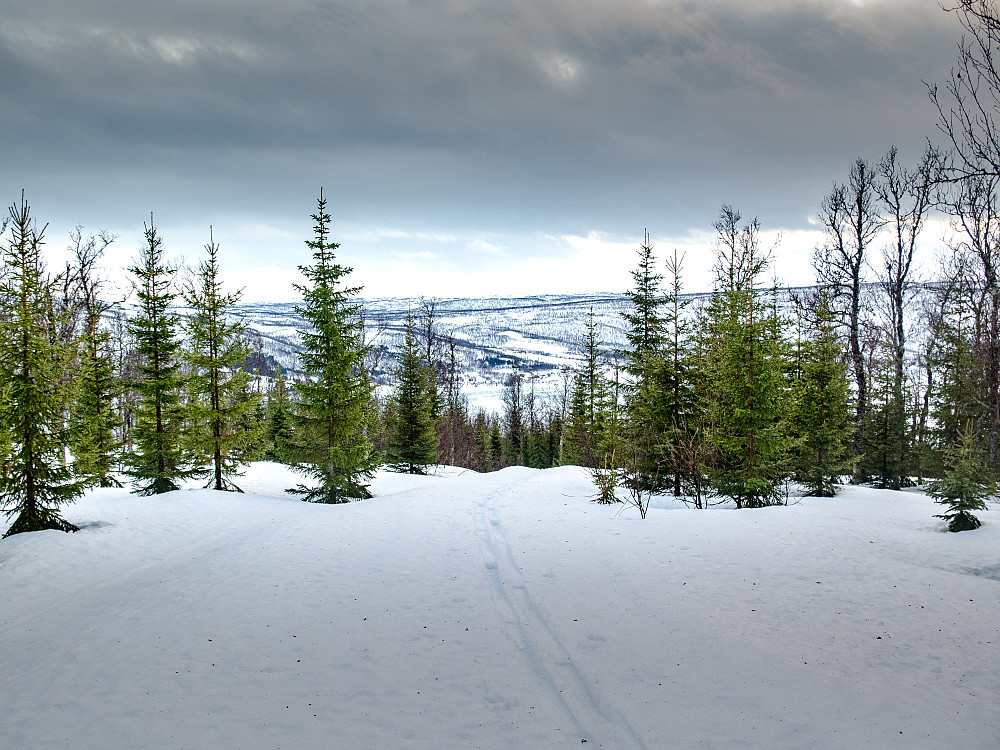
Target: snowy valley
x=542, y=334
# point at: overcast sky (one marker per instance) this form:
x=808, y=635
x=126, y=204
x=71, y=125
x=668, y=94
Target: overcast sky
x=467, y=147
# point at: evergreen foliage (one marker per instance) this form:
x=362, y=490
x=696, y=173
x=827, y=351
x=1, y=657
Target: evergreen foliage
x=821, y=413
x=960, y=392
x=222, y=433
x=543, y=434
x=513, y=417
x=414, y=442
x=279, y=435
x=95, y=420
x=586, y=436
x=746, y=373
x=36, y=479
x=643, y=319
x=495, y=452
x=159, y=461
x=881, y=462
x=660, y=399
x=646, y=424
x=966, y=485
x=334, y=410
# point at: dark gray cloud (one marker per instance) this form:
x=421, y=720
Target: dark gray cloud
x=557, y=116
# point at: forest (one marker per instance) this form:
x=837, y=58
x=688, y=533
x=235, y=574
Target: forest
x=863, y=381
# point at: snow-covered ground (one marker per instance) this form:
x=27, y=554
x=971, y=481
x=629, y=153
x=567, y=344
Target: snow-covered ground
x=498, y=611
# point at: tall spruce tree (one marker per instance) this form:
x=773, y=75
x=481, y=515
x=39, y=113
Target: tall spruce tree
x=586, y=436
x=513, y=416
x=682, y=407
x=660, y=401
x=221, y=434
x=880, y=463
x=36, y=479
x=748, y=398
x=960, y=392
x=334, y=410
x=159, y=460
x=821, y=412
x=414, y=442
x=95, y=420
x=644, y=425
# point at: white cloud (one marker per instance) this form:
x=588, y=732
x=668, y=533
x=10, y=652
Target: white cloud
x=482, y=246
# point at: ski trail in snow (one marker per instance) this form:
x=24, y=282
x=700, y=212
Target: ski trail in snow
x=531, y=631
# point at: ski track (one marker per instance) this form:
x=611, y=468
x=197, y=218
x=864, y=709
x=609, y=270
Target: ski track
x=528, y=626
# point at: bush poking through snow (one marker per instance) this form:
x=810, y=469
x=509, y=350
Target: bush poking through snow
x=606, y=480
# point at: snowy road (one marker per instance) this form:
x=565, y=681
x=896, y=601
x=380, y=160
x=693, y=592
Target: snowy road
x=498, y=611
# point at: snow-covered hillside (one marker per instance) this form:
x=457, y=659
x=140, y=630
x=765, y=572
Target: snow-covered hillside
x=498, y=611
x=540, y=334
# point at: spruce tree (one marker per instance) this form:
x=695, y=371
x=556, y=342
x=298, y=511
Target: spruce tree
x=660, y=399
x=414, y=442
x=966, y=485
x=882, y=463
x=748, y=398
x=513, y=416
x=960, y=393
x=159, y=460
x=222, y=433
x=334, y=411
x=496, y=452
x=644, y=333
x=279, y=422
x=585, y=439
x=821, y=412
x=36, y=479
x=681, y=408
x=481, y=430
x=94, y=418
x=644, y=320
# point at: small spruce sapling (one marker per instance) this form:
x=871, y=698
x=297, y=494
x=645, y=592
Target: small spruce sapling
x=966, y=484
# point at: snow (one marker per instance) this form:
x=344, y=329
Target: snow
x=498, y=610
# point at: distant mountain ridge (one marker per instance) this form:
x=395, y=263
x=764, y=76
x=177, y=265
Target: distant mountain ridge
x=539, y=334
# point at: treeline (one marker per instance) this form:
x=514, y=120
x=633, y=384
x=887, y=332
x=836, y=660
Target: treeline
x=726, y=400
x=860, y=379
x=872, y=376
x=157, y=398
x=731, y=399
